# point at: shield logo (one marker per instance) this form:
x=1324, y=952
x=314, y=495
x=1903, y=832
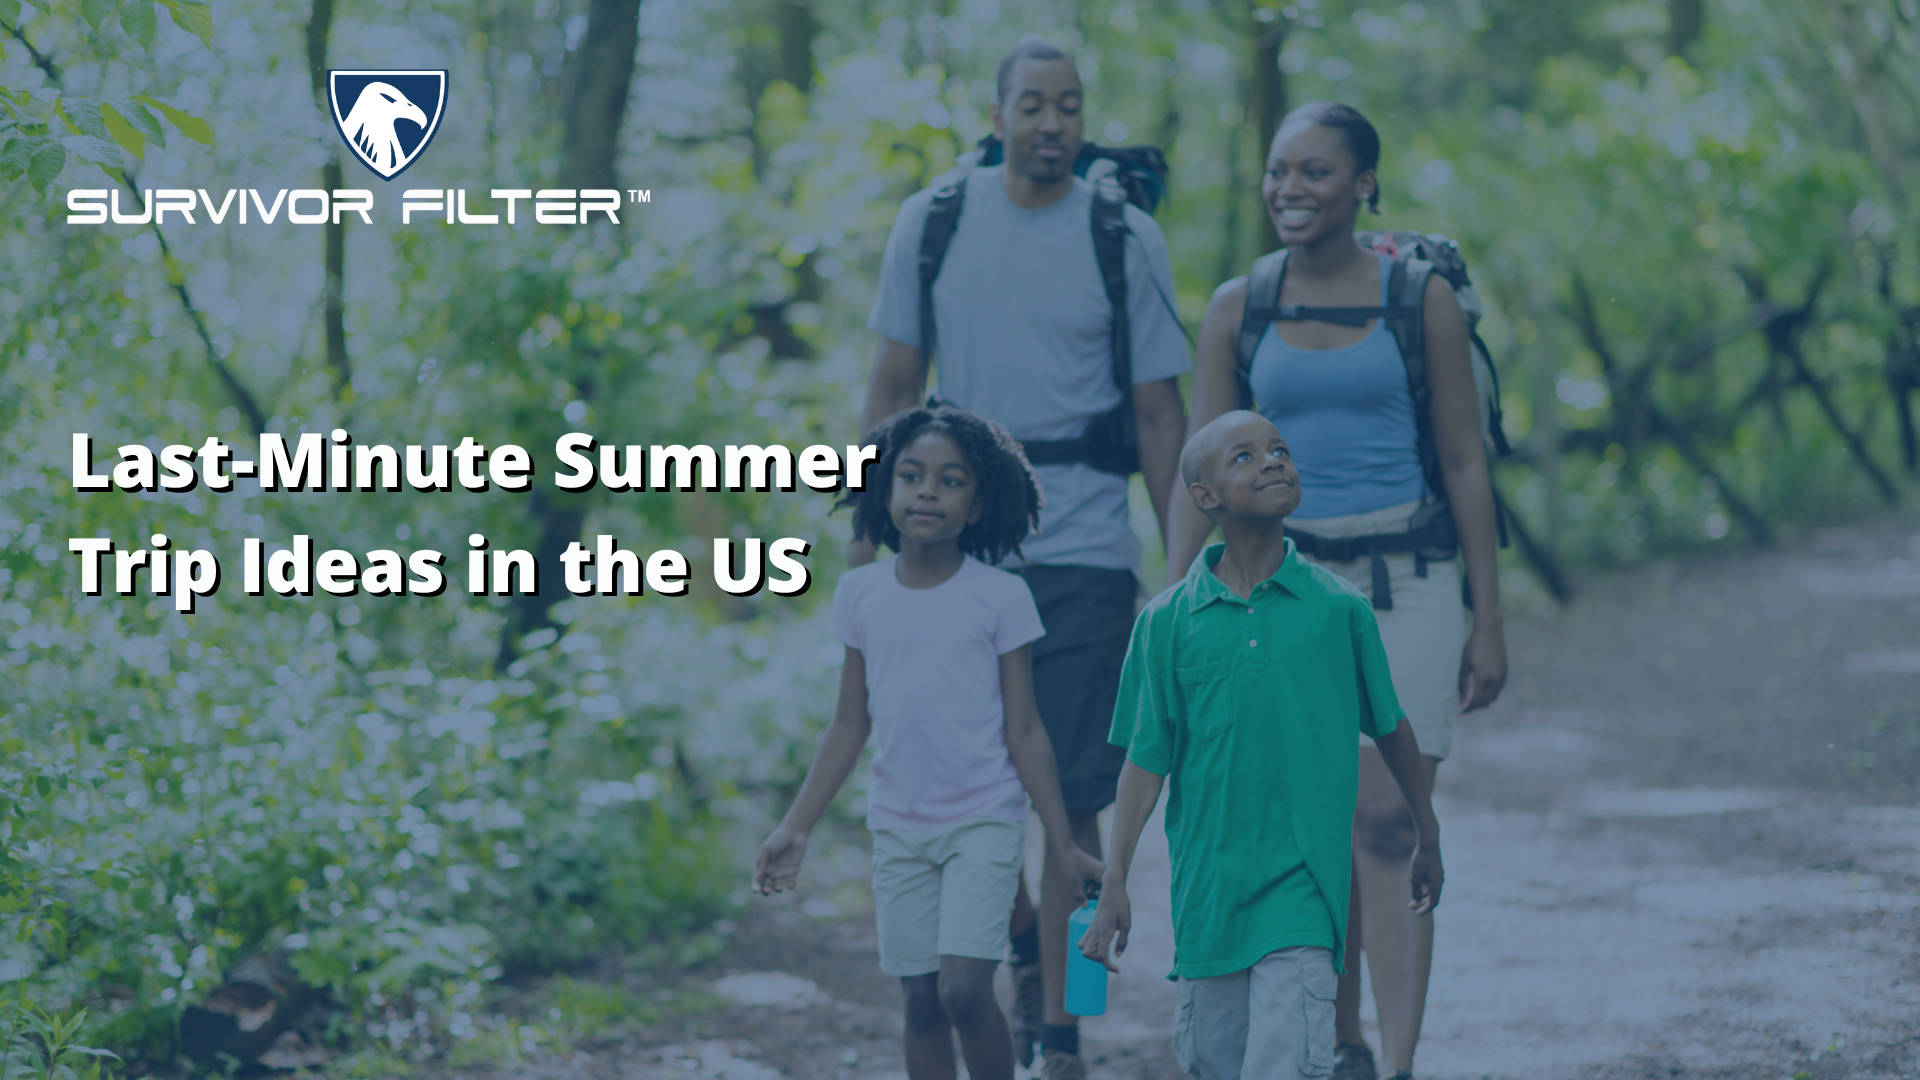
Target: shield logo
x=387, y=117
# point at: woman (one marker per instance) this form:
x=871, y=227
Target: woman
x=1339, y=394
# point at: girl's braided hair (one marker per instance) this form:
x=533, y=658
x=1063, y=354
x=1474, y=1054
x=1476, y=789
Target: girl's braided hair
x=1008, y=492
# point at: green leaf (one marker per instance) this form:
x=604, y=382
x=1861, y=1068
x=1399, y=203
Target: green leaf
x=140, y=21
x=195, y=18
x=96, y=12
x=190, y=125
x=100, y=152
x=46, y=162
x=124, y=133
x=144, y=121
x=84, y=116
x=10, y=12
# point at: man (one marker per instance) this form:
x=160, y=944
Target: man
x=1023, y=325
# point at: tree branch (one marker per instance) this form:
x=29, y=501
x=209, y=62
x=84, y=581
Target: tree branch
x=1783, y=330
x=1656, y=422
x=240, y=395
x=40, y=60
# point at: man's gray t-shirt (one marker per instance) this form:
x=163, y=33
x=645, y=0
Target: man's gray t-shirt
x=1024, y=336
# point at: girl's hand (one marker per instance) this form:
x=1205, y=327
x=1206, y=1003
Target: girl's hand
x=1483, y=667
x=778, y=866
x=1082, y=868
x=1111, y=921
x=859, y=553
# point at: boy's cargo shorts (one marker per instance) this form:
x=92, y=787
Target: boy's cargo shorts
x=1272, y=1021
x=1087, y=612
x=945, y=891
x=1425, y=631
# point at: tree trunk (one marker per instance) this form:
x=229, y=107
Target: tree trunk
x=796, y=24
x=1686, y=20
x=599, y=101
x=1230, y=265
x=319, y=28
x=1267, y=88
x=590, y=146
x=336, y=312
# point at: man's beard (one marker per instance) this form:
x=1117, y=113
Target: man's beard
x=1030, y=165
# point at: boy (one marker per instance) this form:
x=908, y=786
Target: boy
x=1245, y=683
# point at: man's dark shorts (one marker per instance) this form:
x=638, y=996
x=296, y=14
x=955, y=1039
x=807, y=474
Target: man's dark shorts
x=1088, y=616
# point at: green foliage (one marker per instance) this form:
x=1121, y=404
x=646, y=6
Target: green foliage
x=95, y=131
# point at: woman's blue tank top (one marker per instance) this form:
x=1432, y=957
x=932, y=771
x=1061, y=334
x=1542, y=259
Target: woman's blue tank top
x=1347, y=415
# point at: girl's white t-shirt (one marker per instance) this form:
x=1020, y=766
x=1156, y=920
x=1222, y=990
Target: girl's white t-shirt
x=933, y=690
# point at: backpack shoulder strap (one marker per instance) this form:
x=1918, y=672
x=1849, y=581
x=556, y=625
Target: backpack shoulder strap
x=943, y=217
x=1110, y=251
x=1407, y=318
x=1263, y=296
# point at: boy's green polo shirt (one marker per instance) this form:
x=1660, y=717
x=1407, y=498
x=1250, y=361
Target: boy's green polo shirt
x=1250, y=707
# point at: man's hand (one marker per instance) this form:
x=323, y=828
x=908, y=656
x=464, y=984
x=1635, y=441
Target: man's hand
x=1427, y=878
x=859, y=553
x=1111, y=921
x=778, y=866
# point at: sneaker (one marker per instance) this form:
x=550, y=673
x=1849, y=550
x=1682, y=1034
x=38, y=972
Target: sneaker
x=1353, y=1061
x=1060, y=1065
x=1029, y=1010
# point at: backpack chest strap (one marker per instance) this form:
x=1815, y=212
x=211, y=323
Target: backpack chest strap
x=1339, y=316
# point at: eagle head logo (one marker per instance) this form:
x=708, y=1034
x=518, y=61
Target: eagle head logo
x=387, y=117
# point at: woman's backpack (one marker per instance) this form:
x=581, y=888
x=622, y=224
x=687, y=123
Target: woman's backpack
x=1416, y=256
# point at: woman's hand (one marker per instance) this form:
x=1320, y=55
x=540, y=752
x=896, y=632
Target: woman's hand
x=1483, y=667
x=778, y=866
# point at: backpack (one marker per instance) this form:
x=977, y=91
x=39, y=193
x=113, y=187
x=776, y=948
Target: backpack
x=1137, y=175
x=1431, y=534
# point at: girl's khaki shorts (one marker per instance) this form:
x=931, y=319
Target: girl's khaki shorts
x=1424, y=633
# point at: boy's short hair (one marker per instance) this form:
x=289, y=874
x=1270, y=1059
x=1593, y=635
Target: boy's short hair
x=1009, y=493
x=1197, y=457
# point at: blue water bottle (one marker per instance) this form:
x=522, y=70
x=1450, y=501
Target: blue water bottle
x=1086, y=979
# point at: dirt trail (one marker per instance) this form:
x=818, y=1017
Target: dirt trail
x=1685, y=844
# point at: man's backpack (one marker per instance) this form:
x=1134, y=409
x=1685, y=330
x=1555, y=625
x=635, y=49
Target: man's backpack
x=1416, y=257
x=1137, y=175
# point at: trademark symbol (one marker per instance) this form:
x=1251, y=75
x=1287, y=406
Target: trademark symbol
x=639, y=195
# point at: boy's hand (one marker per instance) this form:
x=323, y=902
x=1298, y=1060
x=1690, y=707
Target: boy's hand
x=1111, y=921
x=1428, y=876
x=778, y=866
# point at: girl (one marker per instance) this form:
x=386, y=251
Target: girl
x=940, y=661
x=1340, y=396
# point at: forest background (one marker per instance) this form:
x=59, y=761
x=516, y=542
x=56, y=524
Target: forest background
x=1694, y=222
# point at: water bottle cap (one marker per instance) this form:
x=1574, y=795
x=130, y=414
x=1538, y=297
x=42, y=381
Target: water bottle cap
x=1093, y=890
